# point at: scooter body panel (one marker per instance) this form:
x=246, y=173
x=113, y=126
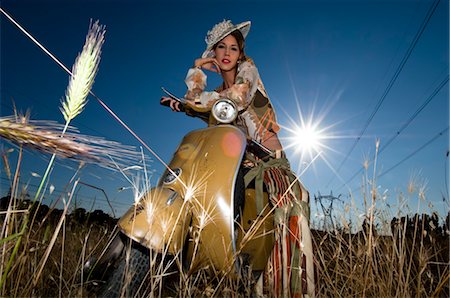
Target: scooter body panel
x=196, y=210
x=156, y=224
x=200, y=200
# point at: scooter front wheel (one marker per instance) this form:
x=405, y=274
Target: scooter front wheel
x=127, y=278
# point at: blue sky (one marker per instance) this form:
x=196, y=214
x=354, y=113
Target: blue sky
x=329, y=62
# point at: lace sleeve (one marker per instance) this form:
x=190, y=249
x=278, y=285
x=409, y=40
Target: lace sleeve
x=196, y=83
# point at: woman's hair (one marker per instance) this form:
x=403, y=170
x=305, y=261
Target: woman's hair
x=240, y=40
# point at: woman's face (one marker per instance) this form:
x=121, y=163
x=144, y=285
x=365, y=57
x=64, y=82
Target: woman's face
x=227, y=53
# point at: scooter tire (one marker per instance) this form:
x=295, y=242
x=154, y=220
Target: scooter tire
x=137, y=268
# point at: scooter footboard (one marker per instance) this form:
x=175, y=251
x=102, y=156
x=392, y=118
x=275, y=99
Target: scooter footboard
x=159, y=220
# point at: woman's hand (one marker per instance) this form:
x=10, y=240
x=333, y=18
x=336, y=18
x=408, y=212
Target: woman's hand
x=172, y=103
x=209, y=63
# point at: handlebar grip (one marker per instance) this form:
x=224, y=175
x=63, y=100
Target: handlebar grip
x=167, y=104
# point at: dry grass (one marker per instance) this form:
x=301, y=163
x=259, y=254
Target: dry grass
x=43, y=250
x=413, y=261
x=61, y=274
x=83, y=72
x=44, y=256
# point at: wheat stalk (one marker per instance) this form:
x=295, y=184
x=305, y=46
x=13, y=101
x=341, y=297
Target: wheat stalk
x=45, y=136
x=80, y=83
x=83, y=73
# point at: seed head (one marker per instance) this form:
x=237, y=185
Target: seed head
x=83, y=73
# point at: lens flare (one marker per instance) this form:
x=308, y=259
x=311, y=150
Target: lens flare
x=307, y=139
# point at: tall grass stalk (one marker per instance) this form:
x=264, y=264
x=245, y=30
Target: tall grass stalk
x=80, y=83
x=373, y=195
x=341, y=260
x=14, y=252
x=82, y=261
x=409, y=259
x=63, y=240
x=55, y=235
x=7, y=222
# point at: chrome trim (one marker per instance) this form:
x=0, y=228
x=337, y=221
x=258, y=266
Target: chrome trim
x=172, y=198
x=228, y=101
x=172, y=172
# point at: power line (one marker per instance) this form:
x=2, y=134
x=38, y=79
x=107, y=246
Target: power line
x=392, y=81
x=413, y=116
x=415, y=152
x=101, y=102
x=406, y=124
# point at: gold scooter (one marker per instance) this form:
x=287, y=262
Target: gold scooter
x=200, y=210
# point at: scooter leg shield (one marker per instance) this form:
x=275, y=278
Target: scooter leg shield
x=159, y=220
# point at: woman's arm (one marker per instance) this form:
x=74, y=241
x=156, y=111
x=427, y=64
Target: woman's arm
x=241, y=92
x=196, y=83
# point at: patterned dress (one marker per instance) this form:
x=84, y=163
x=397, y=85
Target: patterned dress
x=290, y=270
x=258, y=117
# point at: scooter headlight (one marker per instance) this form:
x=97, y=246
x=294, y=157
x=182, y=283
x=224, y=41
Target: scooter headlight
x=171, y=177
x=224, y=110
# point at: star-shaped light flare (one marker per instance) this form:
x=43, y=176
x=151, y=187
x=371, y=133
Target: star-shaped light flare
x=306, y=139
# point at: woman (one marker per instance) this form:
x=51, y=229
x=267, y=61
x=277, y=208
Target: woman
x=289, y=271
x=241, y=83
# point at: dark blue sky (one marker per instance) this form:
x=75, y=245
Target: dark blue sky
x=333, y=59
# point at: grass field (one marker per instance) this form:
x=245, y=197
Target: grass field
x=413, y=261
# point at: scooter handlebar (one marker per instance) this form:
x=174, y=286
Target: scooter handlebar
x=167, y=104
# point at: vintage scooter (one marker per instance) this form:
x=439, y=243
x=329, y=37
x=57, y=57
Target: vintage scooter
x=199, y=213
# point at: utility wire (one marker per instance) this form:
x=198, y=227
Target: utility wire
x=101, y=102
x=90, y=91
x=415, y=152
x=412, y=154
x=413, y=116
x=392, y=81
x=405, y=125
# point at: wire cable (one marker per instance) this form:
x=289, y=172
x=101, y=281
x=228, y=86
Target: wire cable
x=413, y=116
x=392, y=81
x=405, y=125
x=412, y=154
x=415, y=152
x=101, y=102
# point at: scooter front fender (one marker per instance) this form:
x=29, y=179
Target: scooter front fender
x=160, y=219
x=200, y=203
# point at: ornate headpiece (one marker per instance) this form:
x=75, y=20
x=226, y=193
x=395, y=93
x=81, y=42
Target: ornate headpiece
x=221, y=30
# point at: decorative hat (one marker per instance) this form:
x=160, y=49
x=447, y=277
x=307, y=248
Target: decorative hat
x=221, y=30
